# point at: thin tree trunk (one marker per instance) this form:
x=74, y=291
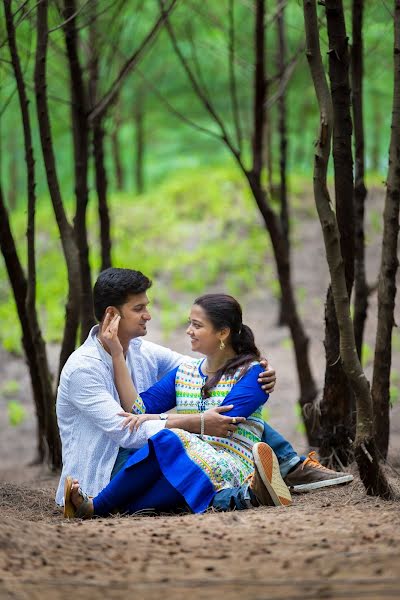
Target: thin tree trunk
x=101, y=189
x=12, y=193
x=80, y=129
x=360, y=191
x=66, y=232
x=98, y=146
x=139, y=143
x=116, y=155
x=48, y=431
x=389, y=264
x=283, y=142
x=337, y=406
x=48, y=446
x=365, y=450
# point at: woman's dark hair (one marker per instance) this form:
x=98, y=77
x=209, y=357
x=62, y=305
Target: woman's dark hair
x=222, y=311
x=114, y=286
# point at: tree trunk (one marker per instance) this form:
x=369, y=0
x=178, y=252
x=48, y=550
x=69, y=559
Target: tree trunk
x=101, y=189
x=98, y=145
x=283, y=142
x=337, y=406
x=66, y=232
x=49, y=447
x=308, y=389
x=360, y=191
x=13, y=175
x=116, y=156
x=80, y=128
x=365, y=450
x=389, y=264
x=139, y=143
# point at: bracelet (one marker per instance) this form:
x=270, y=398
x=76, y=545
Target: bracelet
x=202, y=418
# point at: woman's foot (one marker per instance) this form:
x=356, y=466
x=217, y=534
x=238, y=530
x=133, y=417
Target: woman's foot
x=76, y=503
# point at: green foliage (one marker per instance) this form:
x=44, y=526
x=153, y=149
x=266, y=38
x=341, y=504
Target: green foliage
x=367, y=354
x=300, y=427
x=197, y=231
x=16, y=413
x=10, y=387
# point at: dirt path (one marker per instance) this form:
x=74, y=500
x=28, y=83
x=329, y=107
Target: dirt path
x=336, y=543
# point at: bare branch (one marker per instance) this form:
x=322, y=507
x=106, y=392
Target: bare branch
x=195, y=85
x=284, y=81
x=102, y=106
x=175, y=112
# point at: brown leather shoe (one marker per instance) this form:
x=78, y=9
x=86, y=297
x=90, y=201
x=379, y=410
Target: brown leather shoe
x=311, y=475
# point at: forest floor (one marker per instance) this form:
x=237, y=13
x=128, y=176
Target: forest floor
x=333, y=543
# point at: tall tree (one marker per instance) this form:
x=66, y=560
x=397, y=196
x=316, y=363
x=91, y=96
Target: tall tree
x=254, y=174
x=360, y=191
x=389, y=263
x=81, y=131
x=366, y=454
x=25, y=289
x=68, y=242
x=337, y=406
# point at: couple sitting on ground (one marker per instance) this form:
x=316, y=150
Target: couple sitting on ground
x=212, y=452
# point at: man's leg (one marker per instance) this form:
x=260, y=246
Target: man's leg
x=301, y=473
x=284, y=451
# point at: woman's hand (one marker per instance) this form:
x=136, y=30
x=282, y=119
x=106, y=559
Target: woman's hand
x=267, y=379
x=218, y=425
x=134, y=421
x=109, y=334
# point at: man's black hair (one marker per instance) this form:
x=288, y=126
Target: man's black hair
x=114, y=286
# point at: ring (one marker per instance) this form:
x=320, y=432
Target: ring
x=233, y=420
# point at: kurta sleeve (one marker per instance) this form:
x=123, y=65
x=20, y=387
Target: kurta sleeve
x=246, y=395
x=159, y=398
x=88, y=392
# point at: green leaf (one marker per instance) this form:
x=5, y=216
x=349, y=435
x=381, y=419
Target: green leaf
x=16, y=413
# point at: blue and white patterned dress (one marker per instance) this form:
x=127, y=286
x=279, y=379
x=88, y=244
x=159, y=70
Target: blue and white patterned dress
x=198, y=468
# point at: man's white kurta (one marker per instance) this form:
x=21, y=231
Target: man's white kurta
x=88, y=405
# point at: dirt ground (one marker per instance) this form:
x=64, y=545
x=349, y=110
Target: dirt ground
x=334, y=543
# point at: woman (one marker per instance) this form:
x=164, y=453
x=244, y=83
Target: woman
x=177, y=467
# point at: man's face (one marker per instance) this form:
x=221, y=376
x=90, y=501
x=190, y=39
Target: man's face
x=134, y=316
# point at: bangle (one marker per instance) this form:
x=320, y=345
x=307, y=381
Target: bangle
x=202, y=425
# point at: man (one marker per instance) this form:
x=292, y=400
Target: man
x=94, y=444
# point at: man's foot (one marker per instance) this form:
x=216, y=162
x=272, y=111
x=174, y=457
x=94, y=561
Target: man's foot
x=76, y=503
x=311, y=475
x=267, y=484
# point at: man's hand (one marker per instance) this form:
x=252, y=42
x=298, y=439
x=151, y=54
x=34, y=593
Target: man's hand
x=218, y=425
x=267, y=379
x=134, y=421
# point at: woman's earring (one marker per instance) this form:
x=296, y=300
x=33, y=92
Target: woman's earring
x=221, y=345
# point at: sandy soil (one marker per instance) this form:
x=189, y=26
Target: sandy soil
x=334, y=543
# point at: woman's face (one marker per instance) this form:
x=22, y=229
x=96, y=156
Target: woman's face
x=203, y=336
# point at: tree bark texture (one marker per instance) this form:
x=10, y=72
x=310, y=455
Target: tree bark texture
x=389, y=263
x=80, y=129
x=49, y=446
x=98, y=146
x=283, y=141
x=69, y=246
x=365, y=450
x=337, y=406
x=139, y=143
x=116, y=155
x=360, y=191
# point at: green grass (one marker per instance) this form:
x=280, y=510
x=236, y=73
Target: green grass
x=199, y=230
